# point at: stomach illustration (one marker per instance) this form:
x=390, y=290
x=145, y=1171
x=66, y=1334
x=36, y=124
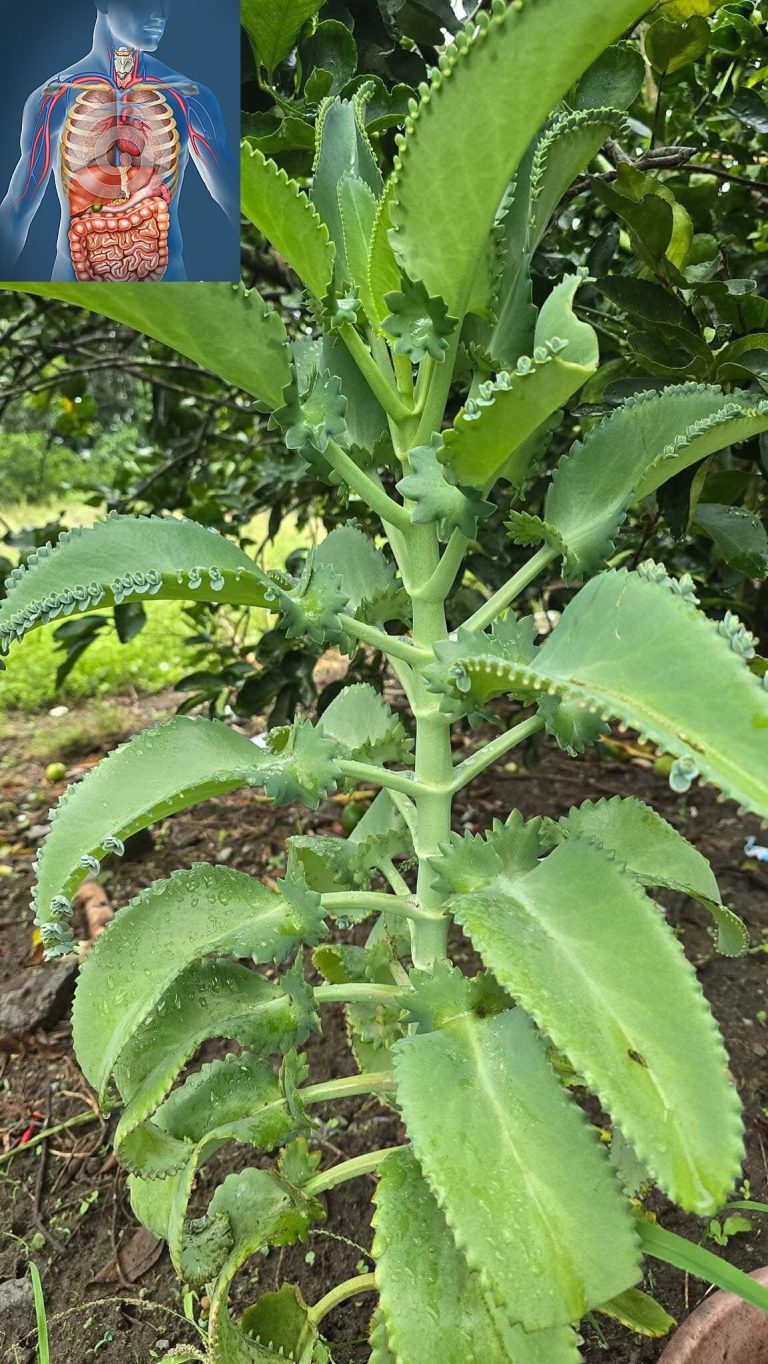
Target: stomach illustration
x=120, y=170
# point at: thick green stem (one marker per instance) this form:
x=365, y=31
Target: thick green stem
x=394, y=646
x=328, y=1091
x=355, y=992
x=363, y=1283
x=347, y=1169
x=392, y=513
x=490, y=753
x=390, y=400
x=372, y=775
x=378, y=902
x=434, y=764
x=500, y=600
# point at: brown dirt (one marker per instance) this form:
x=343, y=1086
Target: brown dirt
x=66, y=1203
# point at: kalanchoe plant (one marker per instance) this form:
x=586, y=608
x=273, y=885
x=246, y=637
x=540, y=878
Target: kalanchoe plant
x=504, y=1219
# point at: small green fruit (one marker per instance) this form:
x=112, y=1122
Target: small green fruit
x=55, y=772
x=351, y=816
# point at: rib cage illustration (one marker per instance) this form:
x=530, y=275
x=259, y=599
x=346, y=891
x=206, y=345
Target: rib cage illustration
x=120, y=168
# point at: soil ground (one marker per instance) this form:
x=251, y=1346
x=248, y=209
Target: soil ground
x=111, y=1295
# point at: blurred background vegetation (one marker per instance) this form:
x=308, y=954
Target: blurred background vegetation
x=671, y=219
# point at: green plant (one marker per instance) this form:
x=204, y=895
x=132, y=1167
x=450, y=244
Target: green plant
x=503, y=1220
x=41, y=1317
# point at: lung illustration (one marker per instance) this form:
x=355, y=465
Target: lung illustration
x=120, y=169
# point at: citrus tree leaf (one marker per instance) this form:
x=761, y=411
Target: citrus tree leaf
x=160, y=933
x=494, y=91
x=633, y=451
x=282, y=212
x=631, y=1019
x=612, y=82
x=225, y=328
x=177, y=764
x=738, y=534
x=509, y=409
x=274, y=25
x=493, y=1130
x=443, y=1312
x=127, y=559
x=658, y=856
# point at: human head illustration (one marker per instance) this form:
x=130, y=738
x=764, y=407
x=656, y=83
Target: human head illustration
x=136, y=23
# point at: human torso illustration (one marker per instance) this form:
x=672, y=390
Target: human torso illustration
x=117, y=131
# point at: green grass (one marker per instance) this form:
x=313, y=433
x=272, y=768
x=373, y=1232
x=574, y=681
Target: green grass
x=155, y=659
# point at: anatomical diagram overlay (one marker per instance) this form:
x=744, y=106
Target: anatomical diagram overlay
x=115, y=134
x=119, y=163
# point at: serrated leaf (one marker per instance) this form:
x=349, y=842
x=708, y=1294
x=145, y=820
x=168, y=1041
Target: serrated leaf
x=631, y=453
x=420, y=325
x=274, y=25
x=262, y=1210
x=343, y=148
x=493, y=1130
x=436, y=498
x=225, y=328
x=658, y=856
x=633, y=646
x=283, y=213
x=367, y=431
x=168, y=768
x=639, y=1313
x=358, y=207
x=281, y=1322
x=563, y=150
x=362, y=726
x=129, y=559
x=470, y=668
x=574, y=728
x=508, y=410
x=369, y=581
x=442, y=1312
x=210, y=998
x=164, y=930
x=494, y=95
x=583, y=949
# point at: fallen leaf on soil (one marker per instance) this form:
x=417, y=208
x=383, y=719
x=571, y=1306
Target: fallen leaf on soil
x=138, y=1254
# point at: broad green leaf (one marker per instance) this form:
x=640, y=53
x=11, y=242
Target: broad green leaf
x=343, y=148
x=281, y=1321
x=658, y=856
x=562, y=152
x=612, y=82
x=262, y=1209
x=441, y=1311
x=238, y=1098
x=328, y=59
x=177, y=764
x=358, y=207
x=225, y=328
x=160, y=933
x=577, y=941
x=702, y=1264
x=639, y=1313
x=493, y=95
x=633, y=647
x=633, y=451
x=128, y=559
x=361, y=724
x=281, y=211
x=738, y=534
x=383, y=270
x=274, y=25
x=208, y=999
x=508, y=410
x=367, y=579
x=493, y=1131
x=670, y=46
